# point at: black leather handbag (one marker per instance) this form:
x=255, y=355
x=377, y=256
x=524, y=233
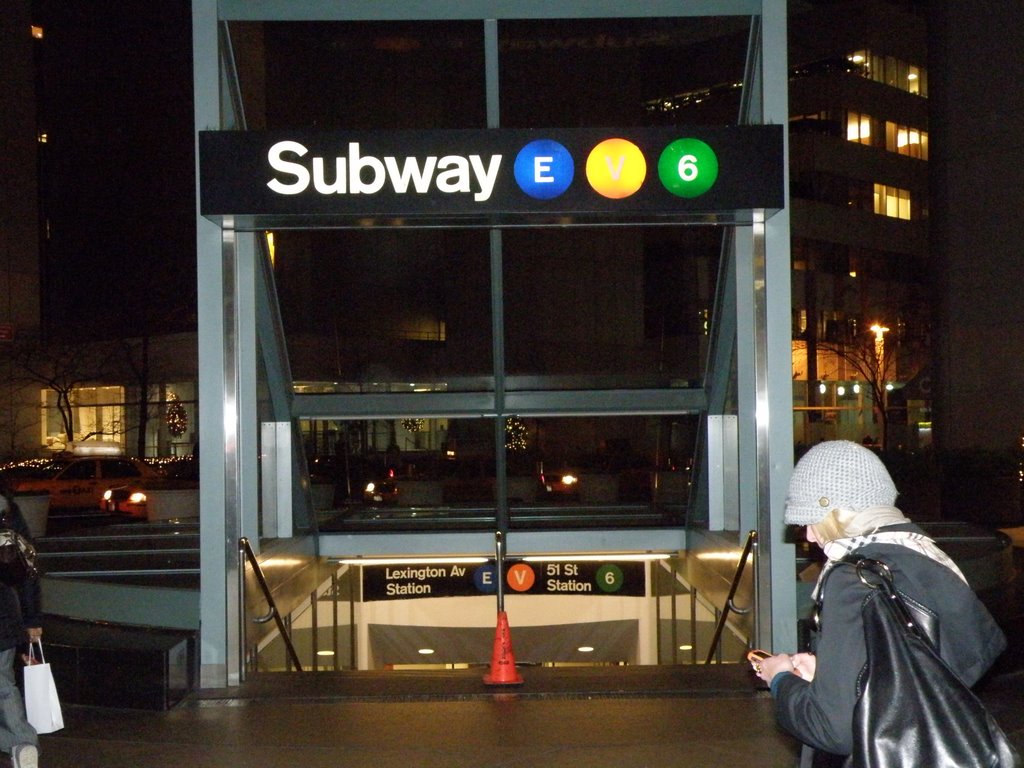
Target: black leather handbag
x=912, y=708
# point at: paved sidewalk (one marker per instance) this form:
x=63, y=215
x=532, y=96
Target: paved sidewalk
x=617, y=717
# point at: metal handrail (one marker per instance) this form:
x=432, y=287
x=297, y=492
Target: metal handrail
x=729, y=604
x=272, y=613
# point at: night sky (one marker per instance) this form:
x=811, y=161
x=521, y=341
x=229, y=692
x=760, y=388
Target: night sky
x=117, y=172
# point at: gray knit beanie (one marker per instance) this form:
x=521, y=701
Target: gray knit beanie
x=837, y=474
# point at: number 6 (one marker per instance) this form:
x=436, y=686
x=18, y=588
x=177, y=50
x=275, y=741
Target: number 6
x=688, y=170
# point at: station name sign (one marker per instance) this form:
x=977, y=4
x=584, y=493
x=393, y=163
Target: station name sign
x=489, y=176
x=401, y=582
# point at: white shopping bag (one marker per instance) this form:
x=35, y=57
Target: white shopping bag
x=42, y=706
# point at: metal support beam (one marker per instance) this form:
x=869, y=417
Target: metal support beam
x=422, y=10
x=776, y=624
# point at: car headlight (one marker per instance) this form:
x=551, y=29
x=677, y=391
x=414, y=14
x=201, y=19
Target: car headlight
x=137, y=498
x=370, y=487
x=108, y=495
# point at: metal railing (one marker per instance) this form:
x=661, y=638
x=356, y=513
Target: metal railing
x=748, y=548
x=246, y=554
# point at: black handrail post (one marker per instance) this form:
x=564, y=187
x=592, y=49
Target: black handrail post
x=274, y=614
x=729, y=606
x=499, y=562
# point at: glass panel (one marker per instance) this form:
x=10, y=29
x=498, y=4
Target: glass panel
x=386, y=310
x=403, y=474
x=599, y=471
x=687, y=621
x=436, y=473
x=361, y=75
x=323, y=641
x=618, y=72
x=608, y=308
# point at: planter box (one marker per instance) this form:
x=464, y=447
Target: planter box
x=35, y=508
x=171, y=504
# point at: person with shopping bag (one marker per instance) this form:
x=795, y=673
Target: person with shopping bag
x=20, y=622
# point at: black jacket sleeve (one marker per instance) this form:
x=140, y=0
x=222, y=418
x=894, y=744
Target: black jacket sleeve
x=29, y=592
x=820, y=712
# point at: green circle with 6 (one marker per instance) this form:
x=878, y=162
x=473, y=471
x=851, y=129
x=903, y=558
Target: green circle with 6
x=610, y=578
x=688, y=167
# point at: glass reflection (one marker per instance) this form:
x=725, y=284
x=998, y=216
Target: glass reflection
x=430, y=473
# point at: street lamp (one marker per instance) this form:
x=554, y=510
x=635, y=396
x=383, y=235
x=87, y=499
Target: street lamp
x=880, y=331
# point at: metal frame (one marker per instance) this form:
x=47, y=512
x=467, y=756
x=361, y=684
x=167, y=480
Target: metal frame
x=236, y=304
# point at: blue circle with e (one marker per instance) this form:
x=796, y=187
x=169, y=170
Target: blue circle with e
x=543, y=169
x=486, y=578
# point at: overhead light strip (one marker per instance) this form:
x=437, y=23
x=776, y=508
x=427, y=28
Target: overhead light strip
x=598, y=558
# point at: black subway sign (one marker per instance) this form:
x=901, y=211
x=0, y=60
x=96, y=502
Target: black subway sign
x=296, y=178
x=409, y=581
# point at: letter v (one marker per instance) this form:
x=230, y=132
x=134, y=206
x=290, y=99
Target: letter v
x=615, y=172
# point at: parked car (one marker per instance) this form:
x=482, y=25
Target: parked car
x=77, y=482
x=559, y=486
x=131, y=498
x=383, y=490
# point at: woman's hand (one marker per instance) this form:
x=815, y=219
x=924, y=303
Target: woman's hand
x=805, y=664
x=767, y=669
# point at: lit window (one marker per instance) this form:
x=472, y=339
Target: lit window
x=906, y=140
x=891, y=71
x=37, y=32
x=858, y=128
x=892, y=202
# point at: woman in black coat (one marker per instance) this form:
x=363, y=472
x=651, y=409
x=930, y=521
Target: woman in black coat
x=844, y=495
x=19, y=622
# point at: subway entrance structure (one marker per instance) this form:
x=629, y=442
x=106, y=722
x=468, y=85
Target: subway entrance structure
x=479, y=169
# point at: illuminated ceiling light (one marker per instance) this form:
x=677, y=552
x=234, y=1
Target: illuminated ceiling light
x=857, y=58
x=822, y=388
x=586, y=649
x=889, y=387
x=325, y=653
x=856, y=389
x=686, y=647
x=425, y=651
x=275, y=562
x=411, y=560
x=912, y=76
x=634, y=557
x=718, y=555
x=840, y=390
x=853, y=273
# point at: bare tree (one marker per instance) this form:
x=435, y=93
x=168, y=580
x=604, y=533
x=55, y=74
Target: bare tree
x=63, y=367
x=878, y=360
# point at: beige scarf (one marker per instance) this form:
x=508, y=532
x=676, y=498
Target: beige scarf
x=869, y=521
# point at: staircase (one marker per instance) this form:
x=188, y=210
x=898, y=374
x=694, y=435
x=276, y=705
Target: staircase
x=121, y=609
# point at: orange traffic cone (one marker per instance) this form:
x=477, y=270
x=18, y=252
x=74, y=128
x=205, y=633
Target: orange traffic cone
x=503, y=662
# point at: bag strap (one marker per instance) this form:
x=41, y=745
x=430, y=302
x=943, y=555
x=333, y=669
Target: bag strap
x=32, y=652
x=876, y=575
